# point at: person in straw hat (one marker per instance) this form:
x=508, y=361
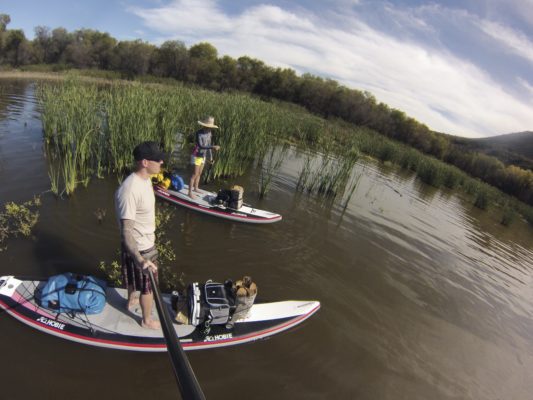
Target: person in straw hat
x=202, y=150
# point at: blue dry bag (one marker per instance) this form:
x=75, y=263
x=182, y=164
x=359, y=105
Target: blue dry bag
x=176, y=182
x=74, y=293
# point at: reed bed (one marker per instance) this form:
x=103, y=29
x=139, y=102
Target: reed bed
x=72, y=129
x=328, y=174
x=270, y=164
x=91, y=130
x=134, y=114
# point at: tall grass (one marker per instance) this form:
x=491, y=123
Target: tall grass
x=72, y=128
x=270, y=164
x=508, y=214
x=328, y=174
x=91, y=130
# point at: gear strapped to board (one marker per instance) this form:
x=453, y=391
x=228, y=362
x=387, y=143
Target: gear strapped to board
x=215, y=303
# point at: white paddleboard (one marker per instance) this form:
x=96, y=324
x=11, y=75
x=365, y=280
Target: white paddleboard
x=203, y=201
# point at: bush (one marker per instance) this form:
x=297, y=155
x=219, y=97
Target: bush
x=18, y=219
x=509, y=215
x=482, y=200
x=430, y=173
x=452, y=178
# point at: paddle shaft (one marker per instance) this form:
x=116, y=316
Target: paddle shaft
x=209, y=167
x=187, y=382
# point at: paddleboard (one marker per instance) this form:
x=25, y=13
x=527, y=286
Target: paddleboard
x=203, y=201
x=117, y=328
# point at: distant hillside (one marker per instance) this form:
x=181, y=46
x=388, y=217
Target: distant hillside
x=512, y=148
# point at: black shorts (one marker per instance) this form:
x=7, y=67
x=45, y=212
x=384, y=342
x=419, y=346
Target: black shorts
x=133, y=275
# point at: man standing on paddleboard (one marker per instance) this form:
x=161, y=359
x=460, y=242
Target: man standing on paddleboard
x=202, y=150
x=135, y=208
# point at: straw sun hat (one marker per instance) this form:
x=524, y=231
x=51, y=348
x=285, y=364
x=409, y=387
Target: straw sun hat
x=208, y=122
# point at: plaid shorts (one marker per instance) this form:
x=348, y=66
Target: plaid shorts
x=133, y=275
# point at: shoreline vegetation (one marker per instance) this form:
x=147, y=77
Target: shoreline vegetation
x=100, y=55
x=89, y=131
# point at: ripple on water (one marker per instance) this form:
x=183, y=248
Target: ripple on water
x=417, y=289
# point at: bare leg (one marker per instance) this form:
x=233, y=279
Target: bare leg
x=195, y=179
x=191, y=185
x=198, y=175
x=133, y=298
x=146, y=307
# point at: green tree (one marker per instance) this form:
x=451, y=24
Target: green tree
x=250, y=71
x=311, y=94
x=203, y=67
x=101, y=48
x=229, y=76
x=42, y=44
x=518, y=182
x=78, y=51
x=439, y=145
x=16, y=48
x=133, y=57
x=170, y=60
x=281, y=83
x=58, y=43
x=4, y=22
x=90, y=48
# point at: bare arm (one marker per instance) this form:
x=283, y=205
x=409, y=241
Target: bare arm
x=126, y=235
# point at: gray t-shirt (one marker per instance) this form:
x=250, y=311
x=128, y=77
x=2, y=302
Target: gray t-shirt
x=135, y=200
x=203, y=144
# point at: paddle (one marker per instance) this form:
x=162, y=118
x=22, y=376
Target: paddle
x=187, y=382
x=209, y=167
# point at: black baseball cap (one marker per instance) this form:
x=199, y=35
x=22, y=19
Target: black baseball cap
x=148, y=151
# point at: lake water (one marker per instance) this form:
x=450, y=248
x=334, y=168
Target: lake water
x=423, y=296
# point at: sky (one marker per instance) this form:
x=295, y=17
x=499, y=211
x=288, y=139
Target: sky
x=460, y=67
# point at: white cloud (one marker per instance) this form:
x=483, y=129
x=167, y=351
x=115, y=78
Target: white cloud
x=186, y=17
x=521, y=9
x=438, y=89
x=516, y=41
x=527, y=87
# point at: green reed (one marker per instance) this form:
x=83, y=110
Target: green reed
x=508, y=214
x=270, y=164
x=72, y=127
x=329, y=176
x=430, y=172
x=355, y=179
x=482, y=199
x=91, y=130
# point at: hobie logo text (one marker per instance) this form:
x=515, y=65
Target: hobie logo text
x=214, y=338
x=51, y=322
